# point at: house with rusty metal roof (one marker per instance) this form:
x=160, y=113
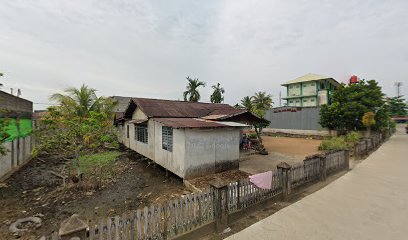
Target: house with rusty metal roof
x=188, y=138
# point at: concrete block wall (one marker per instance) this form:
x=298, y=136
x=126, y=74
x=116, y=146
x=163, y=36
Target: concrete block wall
x=15, y=104
x=19, y=153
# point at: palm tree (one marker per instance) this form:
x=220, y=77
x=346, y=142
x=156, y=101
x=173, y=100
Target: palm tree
x=246, y=102
x=192, y=93
x=79, y=102
x=262, y=101
x=217, y=97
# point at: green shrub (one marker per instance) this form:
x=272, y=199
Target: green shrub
x=97, y=160
x=252, y=136
x=353, y=138
x=340, y=143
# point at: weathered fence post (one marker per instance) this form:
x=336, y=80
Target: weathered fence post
x=323, y=167
x=220, y=207
x=73, y=227
x=239, y=195
x=286, y=179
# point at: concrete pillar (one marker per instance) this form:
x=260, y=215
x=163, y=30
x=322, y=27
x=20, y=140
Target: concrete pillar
x=323, y=168
x=284, y=169
x=219, y=189
x=73, y=227
x=346, y=160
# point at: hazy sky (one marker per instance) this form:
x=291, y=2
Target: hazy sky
x=147, y=48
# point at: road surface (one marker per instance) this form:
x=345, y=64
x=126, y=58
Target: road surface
x=369, y=202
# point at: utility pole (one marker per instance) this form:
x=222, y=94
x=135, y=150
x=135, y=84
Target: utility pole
x=398, y=86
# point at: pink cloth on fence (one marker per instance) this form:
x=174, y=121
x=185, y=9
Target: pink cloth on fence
x=262, y=180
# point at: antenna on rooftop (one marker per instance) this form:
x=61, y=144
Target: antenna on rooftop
x=398, y=86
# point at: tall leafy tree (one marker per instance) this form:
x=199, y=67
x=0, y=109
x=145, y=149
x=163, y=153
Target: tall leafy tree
x=192, y=94
x=350, y=103
x=262, y=102
x=217, y=95
x=247, y=103
x=258, y=104
x=397, y=106
x=80, y=124
x=81, y=101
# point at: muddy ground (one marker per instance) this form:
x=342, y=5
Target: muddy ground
x=33, y=190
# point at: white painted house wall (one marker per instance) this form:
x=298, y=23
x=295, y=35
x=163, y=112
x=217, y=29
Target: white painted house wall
x=211, y=150
x=195, y=151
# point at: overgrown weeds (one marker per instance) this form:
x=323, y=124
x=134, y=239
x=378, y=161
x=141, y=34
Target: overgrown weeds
x=345, y=142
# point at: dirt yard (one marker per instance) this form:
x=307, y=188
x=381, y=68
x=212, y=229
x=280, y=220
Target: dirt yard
x=33, y=191
x=281, y=149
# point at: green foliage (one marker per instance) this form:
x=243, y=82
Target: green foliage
x=246, y=103
x=192, y=94
x=397, y=106
x=81, y=124
x=217, y=95
x=3, y=135
x=79, y=102
x=368, y=119
x=101, y=159
x=341, y=142
x=252, y=135
x=258, y=104
x=349, y=103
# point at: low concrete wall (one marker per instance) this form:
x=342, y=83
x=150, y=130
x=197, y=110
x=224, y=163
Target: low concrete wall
x=291, y=132
x=19, y=153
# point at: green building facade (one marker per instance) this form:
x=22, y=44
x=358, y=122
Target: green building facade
x=310, y=90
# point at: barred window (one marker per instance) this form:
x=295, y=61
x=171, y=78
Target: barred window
x=141, y=133
x=167, y=138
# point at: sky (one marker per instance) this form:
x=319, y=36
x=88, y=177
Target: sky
x=147, y=48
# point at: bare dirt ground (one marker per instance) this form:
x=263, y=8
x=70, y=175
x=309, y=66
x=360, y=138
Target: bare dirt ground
x=227, y=176
x=281, y=149
x=34, y=191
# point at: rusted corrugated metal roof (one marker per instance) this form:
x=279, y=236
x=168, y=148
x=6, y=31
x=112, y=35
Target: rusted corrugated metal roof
x=189, y=123
x=122, y=103
x=175, y=109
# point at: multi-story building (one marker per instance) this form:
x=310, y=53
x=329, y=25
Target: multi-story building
x=310, y=90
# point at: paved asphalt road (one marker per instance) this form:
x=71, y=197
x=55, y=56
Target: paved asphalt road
x=369, y=202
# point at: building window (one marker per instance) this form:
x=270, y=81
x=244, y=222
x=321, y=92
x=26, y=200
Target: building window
x=297, y=86
x=141, y=133
x=290, y=87
x=304, y=100
x=167, y=138
x=297, y=101
x=312, y=100
x=127, y=131
x=290, y=101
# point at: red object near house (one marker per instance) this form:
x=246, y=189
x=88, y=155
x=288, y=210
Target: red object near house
x=353, y=79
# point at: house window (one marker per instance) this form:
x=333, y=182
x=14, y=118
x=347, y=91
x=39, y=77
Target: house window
x=304, y=100
x=290, y=101
x=167, y=138
x=141, y=133
x=297, y=86
x=127, y=131
x=312, y=100
x=290, y=87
